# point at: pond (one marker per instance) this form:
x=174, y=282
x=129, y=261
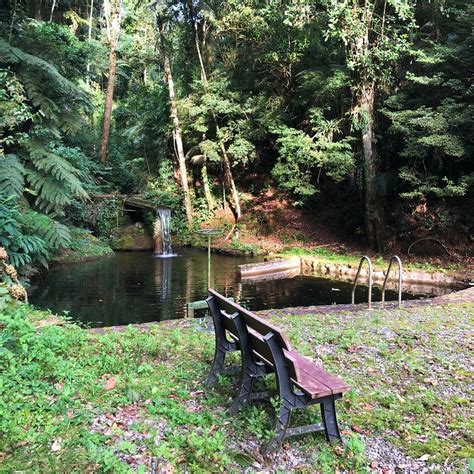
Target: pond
x=135, y=287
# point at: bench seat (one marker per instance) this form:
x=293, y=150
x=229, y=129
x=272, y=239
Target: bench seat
x=313, y=379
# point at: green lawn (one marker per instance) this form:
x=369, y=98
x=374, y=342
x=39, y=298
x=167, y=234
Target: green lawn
x=71, y=400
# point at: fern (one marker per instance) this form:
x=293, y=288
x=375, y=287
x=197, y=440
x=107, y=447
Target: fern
x=51, y=194
x=58, y=235
x=12, y=175
x=55, y=165
x=57, y=99
x=54, y=233
x=44, y=71
x=38, y=163
x=22, y=246
x=53, y=179
x=26, y=247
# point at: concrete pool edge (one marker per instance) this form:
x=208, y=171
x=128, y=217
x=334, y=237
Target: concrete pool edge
x=462, y=296
x=312, y=266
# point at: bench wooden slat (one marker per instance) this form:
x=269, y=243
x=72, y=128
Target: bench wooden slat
x=309, y=369
x=229, y=324
x=312, y=383
x=311, y=386
x=260, y=348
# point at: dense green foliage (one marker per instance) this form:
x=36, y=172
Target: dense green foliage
x=275, y=88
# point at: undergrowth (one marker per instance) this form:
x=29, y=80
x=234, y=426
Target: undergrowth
x=59, y=384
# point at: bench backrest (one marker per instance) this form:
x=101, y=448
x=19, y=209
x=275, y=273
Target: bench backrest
x=257, y=329
x=257, y=324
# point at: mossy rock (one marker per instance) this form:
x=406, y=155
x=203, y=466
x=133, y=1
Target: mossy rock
x=84, y=246
x=124, y=219
x=131, y=237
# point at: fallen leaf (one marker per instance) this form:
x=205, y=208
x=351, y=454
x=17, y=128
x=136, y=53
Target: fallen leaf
x=338, y=450
x=353, y=349
x=56, y=446
x=359, y=430
x=399, y=397
x=110, y=384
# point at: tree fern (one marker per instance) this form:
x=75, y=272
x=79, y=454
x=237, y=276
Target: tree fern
x=37, y=162
x=53, y=179
x=22, y=245
x=12, y=175
x=40, y=75
x=54, y=233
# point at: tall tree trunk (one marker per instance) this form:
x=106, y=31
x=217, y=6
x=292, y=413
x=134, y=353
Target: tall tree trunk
x=13, y=20
x=89, y=37
x=228, y=175
x=113, y=16
x=177, y=136
x=229, y=180
x=205, y=178
x=207, y=191
x=373, y=205
x=35, y=9
x=53, y=6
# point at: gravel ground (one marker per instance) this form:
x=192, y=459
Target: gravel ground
x=453, y=354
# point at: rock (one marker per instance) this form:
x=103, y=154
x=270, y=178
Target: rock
x=56, y=446
x=131, y=237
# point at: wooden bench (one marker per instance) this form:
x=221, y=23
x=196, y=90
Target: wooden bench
x=265, y=349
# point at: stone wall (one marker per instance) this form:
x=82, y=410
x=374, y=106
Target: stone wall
x=416, y=281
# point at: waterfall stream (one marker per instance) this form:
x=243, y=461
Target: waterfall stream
x=165, y=216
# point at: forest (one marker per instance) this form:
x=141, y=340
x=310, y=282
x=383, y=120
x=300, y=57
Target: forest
x=356, y=113
x=290, y=137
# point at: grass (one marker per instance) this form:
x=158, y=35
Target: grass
x=74, y=401
x=84, y=246
x=409, y=369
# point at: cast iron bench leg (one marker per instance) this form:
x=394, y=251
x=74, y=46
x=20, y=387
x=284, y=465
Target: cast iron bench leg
x=328, y=413
x=222, y=344
x=281, y=426
x=246, y=384
x=217, y=365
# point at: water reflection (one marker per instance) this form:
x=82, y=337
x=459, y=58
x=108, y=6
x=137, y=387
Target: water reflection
x=135, y=287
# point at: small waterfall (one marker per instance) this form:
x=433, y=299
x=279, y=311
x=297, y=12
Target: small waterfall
x=165, y=215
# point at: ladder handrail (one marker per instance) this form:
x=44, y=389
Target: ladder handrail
x=400, y=273
x=369, y=263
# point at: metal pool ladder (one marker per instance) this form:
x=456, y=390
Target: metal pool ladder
x=369, y=263
x=400, y=272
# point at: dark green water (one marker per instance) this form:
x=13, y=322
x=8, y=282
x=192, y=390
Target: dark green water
x=135, y=287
